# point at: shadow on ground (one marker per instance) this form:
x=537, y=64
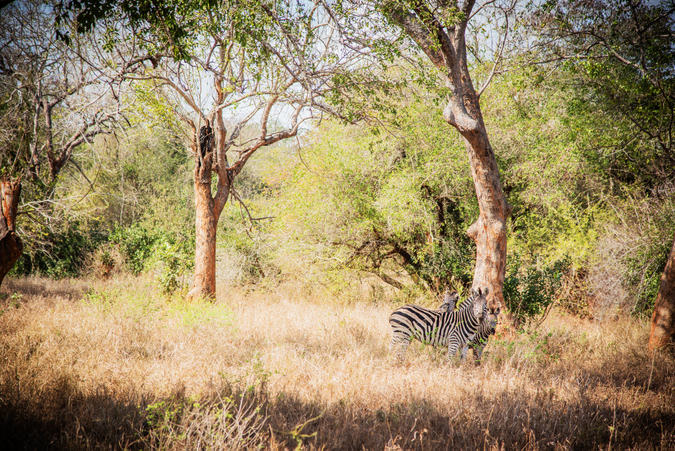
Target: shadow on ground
x=63, y=419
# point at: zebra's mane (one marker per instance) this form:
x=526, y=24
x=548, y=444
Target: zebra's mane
x=468, y=302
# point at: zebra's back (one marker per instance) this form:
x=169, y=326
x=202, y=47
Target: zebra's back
x=413, y=321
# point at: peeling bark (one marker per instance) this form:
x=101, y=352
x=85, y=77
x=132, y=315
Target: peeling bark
x=11, y=246
x=663, y=319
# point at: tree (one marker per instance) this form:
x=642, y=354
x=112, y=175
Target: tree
x=55, y=100
x=386, y=198
x=624, y=60
x=438, y=29
x=663, y=318
x=269, y=66
x=11, y=246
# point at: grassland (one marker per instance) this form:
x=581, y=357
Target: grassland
x=114, y=365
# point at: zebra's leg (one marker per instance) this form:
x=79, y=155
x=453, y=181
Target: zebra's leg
x=399, y=344
x=465, y=350
x=478, y=352
x=465, y=347
x=453, y=345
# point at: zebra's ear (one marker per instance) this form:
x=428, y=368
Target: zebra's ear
x=485, y=291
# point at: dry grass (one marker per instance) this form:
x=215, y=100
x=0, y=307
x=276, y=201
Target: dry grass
x=114, y=365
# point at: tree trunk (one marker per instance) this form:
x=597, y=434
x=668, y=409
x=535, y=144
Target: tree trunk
x=208, y=209
x=206, y=222
x=205, y=245
x=663, y=319
x=11, y=246
x=446, y=48
x=489, y=230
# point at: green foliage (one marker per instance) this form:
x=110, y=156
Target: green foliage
x=623, y=85
x=136, y=244
x=175, y=261
x=63, y=253
x=246, y=248
x=645, y=227
x=529, y=288
x=171, y=256
x=381, y=200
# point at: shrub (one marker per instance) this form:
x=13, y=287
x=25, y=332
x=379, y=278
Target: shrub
x=529, y=291
x=174, y=260
x=136, y=244
x=62, y=253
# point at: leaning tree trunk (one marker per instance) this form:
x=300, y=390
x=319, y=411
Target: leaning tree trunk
x=489, y=230
x=663, y=319
x=446, y=48
x=11, y=246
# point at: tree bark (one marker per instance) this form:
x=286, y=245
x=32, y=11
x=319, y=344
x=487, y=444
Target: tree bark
x=489, y=230
x=663, y=319
x=205, y=244
x=446, y=48
x=208, y=211
x=11, y=246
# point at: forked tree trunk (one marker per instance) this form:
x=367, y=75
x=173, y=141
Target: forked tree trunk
x=209, y=150
x=207, y=209
x=11, y=246
x=663, y=319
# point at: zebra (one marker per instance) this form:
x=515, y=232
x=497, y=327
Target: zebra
x=486, y=328
x=449, y=301
x=450, y=328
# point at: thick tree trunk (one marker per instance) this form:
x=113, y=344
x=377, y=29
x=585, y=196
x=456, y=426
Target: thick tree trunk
x=206, y=218
x=208, y=209
x=11, y=246
x=489, y=230
x=205, y=245
x=663, y=319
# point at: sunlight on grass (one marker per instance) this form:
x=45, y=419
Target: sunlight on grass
x=119, y=363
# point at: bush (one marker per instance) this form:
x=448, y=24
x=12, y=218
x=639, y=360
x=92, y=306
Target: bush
x=632, y=254
x=61, y=254
x=529, y=292
x=136, y=245
x=174, y=260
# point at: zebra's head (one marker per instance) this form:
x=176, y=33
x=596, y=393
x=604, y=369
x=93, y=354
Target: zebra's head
x=492, y=317
x=479, y=302
x=449, y=301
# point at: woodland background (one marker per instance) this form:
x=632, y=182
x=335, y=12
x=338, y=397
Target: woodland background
x=332, y=229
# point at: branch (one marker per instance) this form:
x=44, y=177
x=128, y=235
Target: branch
x=497, y=58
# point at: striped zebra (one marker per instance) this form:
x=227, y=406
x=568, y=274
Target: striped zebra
x=487, y=327
x=449, y=301
x=450, y=328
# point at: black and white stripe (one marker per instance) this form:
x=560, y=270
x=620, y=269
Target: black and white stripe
x=449, y=328
x=487, y=327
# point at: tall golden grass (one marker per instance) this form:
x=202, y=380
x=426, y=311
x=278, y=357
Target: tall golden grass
x=114, y=365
